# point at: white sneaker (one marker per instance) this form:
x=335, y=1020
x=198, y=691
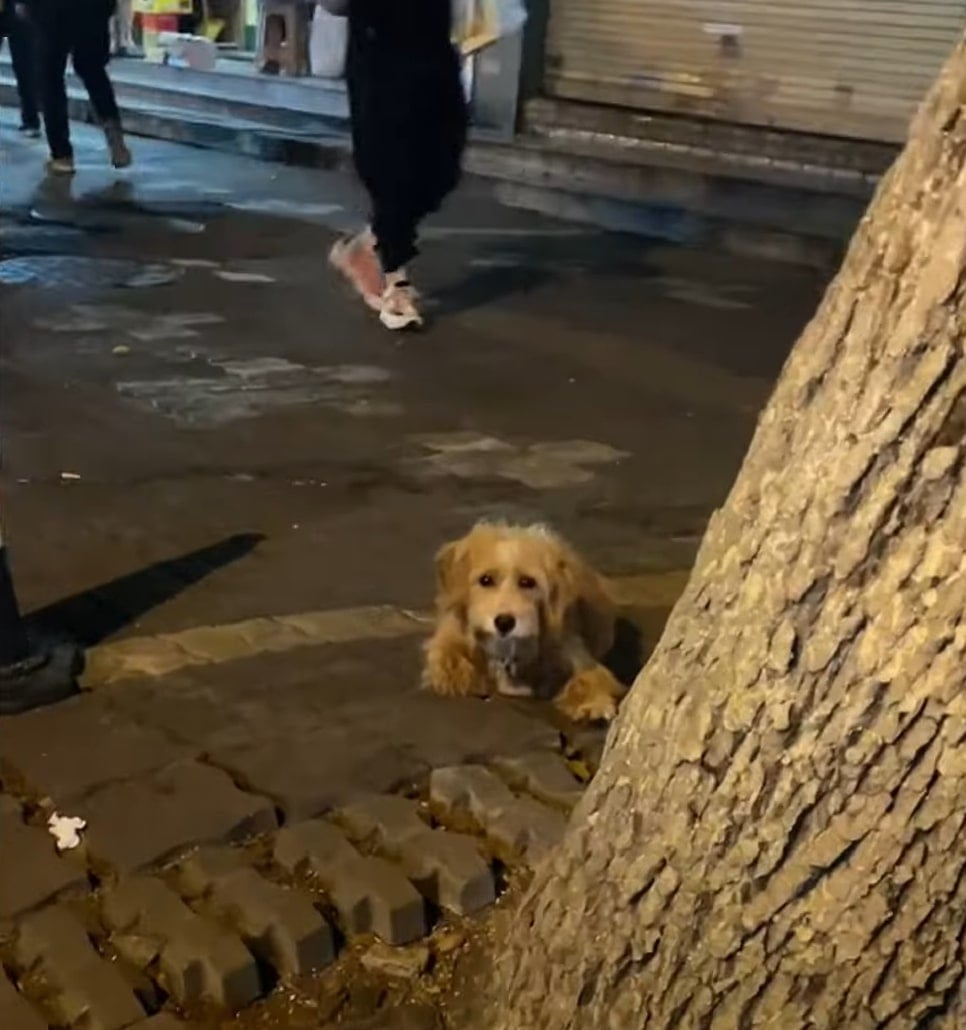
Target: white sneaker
x=399, y=310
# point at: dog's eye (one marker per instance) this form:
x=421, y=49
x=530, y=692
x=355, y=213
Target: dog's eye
x=527, y=583
x=486, y=580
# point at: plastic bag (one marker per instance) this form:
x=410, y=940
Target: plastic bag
x=327, y=44
x=478, y=24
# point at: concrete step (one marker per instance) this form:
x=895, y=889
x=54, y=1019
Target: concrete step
x=817, y=161
x=235, y=91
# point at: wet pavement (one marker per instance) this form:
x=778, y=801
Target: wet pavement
x=202, y=430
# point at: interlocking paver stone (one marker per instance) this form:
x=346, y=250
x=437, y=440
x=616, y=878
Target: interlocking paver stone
x=448, y=868
x=588, y=743
x=67, y=750
x=16, y=1013
x=279, y=924
x=544, y=774
x=370, y=894
x=515, y=826
x=199, y=961
x=137, y=823
x=31, y=872
x=82, y=985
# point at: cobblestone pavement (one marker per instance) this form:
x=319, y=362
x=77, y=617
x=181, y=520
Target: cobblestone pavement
x=228, y=483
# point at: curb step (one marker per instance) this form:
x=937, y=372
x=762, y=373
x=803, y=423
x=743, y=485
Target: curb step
x=681, y=194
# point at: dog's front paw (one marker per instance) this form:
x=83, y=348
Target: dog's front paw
x=591, y=696
x=451, y=674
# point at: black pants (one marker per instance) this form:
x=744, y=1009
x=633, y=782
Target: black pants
x=409, y=123
x=23, y=54
x=78, y=29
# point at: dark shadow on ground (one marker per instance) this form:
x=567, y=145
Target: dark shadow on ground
x=626, y=656
x=93, y=615
x=487, y=286
x=500, y=270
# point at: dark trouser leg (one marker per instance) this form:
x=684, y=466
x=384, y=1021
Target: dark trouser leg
x=408, y=130
x=54, y=46
x=24, y=58
x=91, y=51
x=394, y=227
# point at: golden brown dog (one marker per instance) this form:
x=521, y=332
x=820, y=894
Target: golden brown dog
x=519, y=612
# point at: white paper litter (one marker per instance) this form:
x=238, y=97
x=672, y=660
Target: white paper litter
x=66, y=830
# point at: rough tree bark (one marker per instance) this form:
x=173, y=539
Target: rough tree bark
x=776, y=835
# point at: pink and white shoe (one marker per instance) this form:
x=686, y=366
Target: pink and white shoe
x=399, y=308
x=356, y=260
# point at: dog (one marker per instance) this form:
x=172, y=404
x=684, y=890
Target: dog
x=520, y=613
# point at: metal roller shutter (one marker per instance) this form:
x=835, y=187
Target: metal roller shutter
x=853, y=68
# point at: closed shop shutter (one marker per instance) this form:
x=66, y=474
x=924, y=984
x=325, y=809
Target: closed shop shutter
x=854, y=68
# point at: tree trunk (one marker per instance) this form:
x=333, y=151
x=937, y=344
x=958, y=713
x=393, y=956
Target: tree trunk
x=776, y=835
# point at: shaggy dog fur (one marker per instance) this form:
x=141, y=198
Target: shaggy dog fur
x=519, y=612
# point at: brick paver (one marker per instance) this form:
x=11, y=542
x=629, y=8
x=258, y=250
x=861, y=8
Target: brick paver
x=587, y=743
x=544, y=774
x=137, y=823
x=162, y=1021
x=67, y=750
x=31, y=872
x=16, y=1013
x=84, y=989
x=448, y=868
x=515, y=826
x=199, y=961
x=370, y=894
x=280, y=925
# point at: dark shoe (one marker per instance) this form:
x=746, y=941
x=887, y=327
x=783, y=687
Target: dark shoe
x=48, y=676
x=120, y=154
x=30, y=131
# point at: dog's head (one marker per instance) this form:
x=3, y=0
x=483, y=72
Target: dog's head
x=509, y=586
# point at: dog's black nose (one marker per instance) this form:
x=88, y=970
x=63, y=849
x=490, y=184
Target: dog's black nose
x=504, y=624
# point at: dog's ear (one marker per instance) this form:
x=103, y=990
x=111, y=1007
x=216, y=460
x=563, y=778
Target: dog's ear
x=563, y=597
x=581, y=605
x=451, y=575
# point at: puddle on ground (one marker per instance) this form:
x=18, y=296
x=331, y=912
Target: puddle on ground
x=24, y=239
x=722, y=296
x=144, y=326
x=541, y=466
x=247, y=388
x=76, y=272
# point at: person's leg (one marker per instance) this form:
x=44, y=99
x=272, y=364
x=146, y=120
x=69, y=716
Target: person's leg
x=124, y=18
x=426, y=133
x=394, y=226
x=91, y=53
x=53, y=47
x=23, y=56
x=355, y=257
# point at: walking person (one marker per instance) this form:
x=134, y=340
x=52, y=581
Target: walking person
x=122, y=29
x=16, y=27
x=78, y=29
x=409, y=122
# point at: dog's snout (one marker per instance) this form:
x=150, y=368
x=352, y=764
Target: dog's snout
x=504, y=624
